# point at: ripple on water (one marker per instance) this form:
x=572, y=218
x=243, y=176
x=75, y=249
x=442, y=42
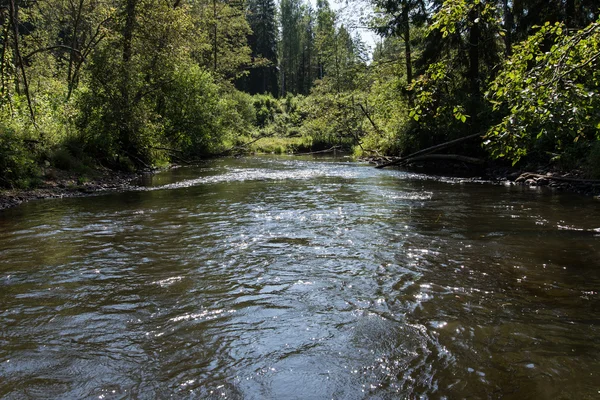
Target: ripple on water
x=272, y=278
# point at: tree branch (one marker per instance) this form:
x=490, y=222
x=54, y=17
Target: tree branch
x=59, y=46
x=429, y=150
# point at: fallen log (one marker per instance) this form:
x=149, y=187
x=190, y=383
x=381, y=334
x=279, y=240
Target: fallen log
x=428, y=150
x=446, y=157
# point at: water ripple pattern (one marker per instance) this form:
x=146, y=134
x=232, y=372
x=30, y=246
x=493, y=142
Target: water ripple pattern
x=298, y=278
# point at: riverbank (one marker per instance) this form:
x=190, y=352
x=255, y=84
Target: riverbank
x=58, y=184
x=574, y=181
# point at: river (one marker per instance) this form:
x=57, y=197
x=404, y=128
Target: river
x=301, y=278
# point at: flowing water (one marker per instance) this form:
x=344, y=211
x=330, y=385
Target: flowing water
x=298, y=278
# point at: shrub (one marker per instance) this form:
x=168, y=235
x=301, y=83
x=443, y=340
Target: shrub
x=18, y=168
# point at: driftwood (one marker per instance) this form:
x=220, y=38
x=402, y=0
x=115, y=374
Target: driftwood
x=529, y=175
x=167, y=149
x=428, y=150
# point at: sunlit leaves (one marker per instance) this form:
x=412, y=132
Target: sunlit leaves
x=453, y=15
x=548, y=91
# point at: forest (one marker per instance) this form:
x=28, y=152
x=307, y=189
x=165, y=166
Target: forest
x=136, y=84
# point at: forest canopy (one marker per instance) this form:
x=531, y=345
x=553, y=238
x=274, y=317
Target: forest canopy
x=131, y=84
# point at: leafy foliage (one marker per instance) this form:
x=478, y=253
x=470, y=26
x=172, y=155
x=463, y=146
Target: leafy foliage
x=548, y=93
x=16, y=165
x=134, y=83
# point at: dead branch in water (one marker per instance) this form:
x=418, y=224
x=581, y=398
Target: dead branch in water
x=428, y=150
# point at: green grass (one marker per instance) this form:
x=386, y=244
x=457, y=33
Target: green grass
x=281, y=145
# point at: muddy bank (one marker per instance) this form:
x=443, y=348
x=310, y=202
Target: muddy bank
x=59, y=184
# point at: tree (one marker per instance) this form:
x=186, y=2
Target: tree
x=289, y=45
x=549, y=99
x=397, y=18
x=262, y=77
x=10, y=15
x=306, y=64
x=223, y=30
x=130, y=72
x=325, y=37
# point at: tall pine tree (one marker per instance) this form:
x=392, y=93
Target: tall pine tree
x=262, y=77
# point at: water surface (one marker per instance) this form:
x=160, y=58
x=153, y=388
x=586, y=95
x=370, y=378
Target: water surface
x=288, y=278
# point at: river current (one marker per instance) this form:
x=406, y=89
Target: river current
x=301, y=278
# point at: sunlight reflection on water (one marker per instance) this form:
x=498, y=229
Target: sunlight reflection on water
x=272, y=278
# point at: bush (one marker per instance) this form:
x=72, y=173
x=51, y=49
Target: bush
x=18, y=168
x=266, y=107
x=238, y=114
x=593, y=161
x=329, y=119
x=193, y=112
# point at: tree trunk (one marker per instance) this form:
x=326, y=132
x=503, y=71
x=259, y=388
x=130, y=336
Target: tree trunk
x=570, y=18
x=473, y=73
x=71, y=73
x=430, y=150
x=509, y=22
x=407, y=48
x=446, y=157
x=14, y=17
x=215, y=53
x=125, y=129
x=3, y=72
x=301, y=72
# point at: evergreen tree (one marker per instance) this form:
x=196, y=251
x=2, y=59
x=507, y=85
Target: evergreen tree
x=224, y=24
x=289, y=45
x=325, y=37
x=262, y=77
x=306, y=66
x=398, y=17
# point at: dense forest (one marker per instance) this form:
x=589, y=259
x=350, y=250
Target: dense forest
x=132, y=84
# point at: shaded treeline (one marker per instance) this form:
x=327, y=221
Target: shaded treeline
x=129, y=84
x=522, y=73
